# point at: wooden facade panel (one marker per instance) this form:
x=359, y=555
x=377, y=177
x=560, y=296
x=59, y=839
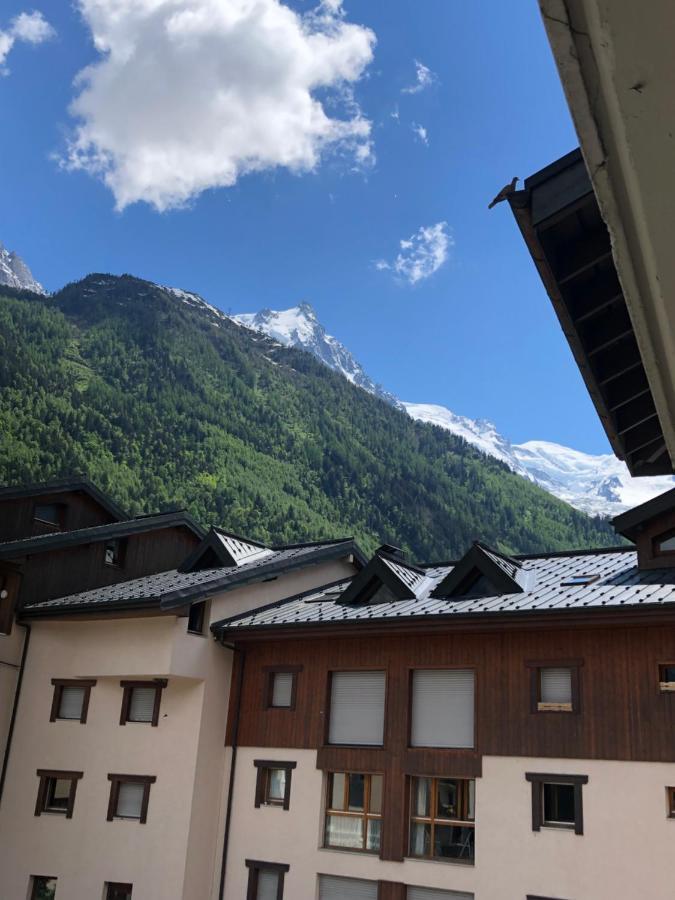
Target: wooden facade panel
x=17, y=515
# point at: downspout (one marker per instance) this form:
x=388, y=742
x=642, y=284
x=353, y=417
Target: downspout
x=15, y=707
x=235, y=733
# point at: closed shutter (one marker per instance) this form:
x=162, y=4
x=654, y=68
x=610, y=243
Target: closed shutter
x=422, y=893
x=333, y=888
x=72, y=699
x=268, y=885
x=442, y=708
x=357, y=708
x=142, y=704
x=556, y=685
x=282, y=688
x=130, y=799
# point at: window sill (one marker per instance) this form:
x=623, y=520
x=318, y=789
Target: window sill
x=667, y=687
x=558, y=826
x=444, y=861
x=355, y=850
x=555, y=707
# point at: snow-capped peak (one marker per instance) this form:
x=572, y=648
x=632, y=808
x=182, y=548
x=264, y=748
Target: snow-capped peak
x=15, y=273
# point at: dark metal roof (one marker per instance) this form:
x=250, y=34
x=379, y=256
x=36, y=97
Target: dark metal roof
x=503, y=572
x=56, y=540
x=384, y=569
x=175, y=589
x=630, y=523
x=61, y=485
x=222, y=547
x=619, y=584
x=559, y=218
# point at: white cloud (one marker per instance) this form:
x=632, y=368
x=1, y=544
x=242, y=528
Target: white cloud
x=421, y=133
x=31, y=28
x=420, y=255
x=192, y=94
x=424, y=78
x=395, y=115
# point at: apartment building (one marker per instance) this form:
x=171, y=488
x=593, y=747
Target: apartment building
x=497, y=729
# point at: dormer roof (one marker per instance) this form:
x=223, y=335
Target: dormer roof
x=385, y=575
x=634, y=521
x=495, y=572
x=222, y=548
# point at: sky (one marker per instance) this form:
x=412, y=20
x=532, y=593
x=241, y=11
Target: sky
x=263, y=154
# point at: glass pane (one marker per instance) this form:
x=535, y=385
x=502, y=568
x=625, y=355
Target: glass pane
x=355, y=800
x=559, y=803
x=344, y=831
x=268, y=885
x=453, y=842
x=668, y=673
x=420, y=797
x=337, y=791
x=72, y=701
x=58, y=791
x=276, y=784
x=667, y=544
x=118, y=892
x=420, y=839
x=373, y=834
x=130, y=800
x=471, y=811
x=376, y=793
x=43, y=888
x=447, y=794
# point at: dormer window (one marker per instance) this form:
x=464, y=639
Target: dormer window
x=664, y=544
x=476, y=585
x=114, y=552
x=48, y=517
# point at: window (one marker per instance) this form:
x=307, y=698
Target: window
x=8, y=585
x=667, y=677
x=442, y=708
x=56, y=792
x=281, y=685
x=441, y=821
x=265, y=880
x=52, y=514
x=116, y=891
x=114, y=551
x=331, y=887
x=42, y=887
x=354, y=811
x=357, y=708
x=129, y=796
x=273, y=783
x=554, y=686
x=664, y=544
x=141, y=700
x=670, y=800
x=71, y=699
x=423, y=893
x=556, y=801
x=195, y=623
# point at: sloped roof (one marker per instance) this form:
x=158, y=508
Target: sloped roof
x=619, y=585
x=173, y=589
x=629, y=523
x=61, y=486
x=228, y=548
x=504, y=572
x=400, y=578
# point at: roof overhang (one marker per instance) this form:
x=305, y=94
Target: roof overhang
x=617, y=68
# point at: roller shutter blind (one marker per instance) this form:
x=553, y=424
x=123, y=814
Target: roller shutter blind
x=334, y=888
x=72, y=699
x=422, y=893
x=268, y=885
x=556, y=685
x=142, y=704
x=282, y=688
x=442, y=708
x=357, y=708
x=130, y=799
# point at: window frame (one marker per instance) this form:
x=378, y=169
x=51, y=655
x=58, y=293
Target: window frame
x=10, y=579
x=201, y=606
x=365, y=815
x=263, y=767
x=255, y=866
x=115, y=781
x=116, y=886
x=121, y=544
x=670, y=802
x=538, y=780
x=657, y=552
x=128, y=686
x=59, y=683
x=433, y=819
x=666, y=687
x=329, y=706
x=34, y=884
x=270, y=672
x=61, y=509
x=46, y=776
x=535, y=666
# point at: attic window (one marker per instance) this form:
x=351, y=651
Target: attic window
x=475, y=585
x=114, y=552
x=664, y=544
x=51, y=514
x=579, y=580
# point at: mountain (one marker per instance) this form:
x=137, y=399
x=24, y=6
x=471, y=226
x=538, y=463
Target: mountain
x=599, y=485
x=15, y=273
x=162, y=400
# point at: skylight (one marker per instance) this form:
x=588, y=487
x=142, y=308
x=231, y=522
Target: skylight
x=579, y=580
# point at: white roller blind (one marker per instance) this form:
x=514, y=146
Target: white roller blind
x=130, y=799
x=422, y=893
x=357, y=708
x=268, y=884
x=72, y=699
x=333, y=888
x=142, y=704
x=442, y=708
x=556, y=685
x=282, y=688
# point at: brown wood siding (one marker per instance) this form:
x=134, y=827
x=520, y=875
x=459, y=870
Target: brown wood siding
x=81, y=511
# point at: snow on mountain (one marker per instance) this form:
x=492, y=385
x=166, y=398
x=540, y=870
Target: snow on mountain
x=15, y=273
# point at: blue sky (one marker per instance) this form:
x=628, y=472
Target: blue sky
x=477, y=335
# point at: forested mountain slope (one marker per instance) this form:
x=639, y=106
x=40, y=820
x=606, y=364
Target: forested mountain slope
x=164, y=402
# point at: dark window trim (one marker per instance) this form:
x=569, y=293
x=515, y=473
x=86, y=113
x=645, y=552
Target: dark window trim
x=365, y=814
x=45, y=775
x=61, y=509
x=535, y=666
x=254, y=867
x=270, y=672
x=434, y=819
x=539, y=897
x=201, y=606
x=115, y=781
x=657, y=553
x=157, y=683
x=111, y=886
x=665, y=686
x=263, y=766
x=59, y=684
x=670, y=802
x=121, y=545
x=538, y=780
x=33, y=883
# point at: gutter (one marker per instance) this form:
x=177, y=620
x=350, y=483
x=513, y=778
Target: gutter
x=15, y=707
x=233, y=765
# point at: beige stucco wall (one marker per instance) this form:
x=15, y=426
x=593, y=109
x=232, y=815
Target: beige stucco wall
x=626, y=850
x=11, y=647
